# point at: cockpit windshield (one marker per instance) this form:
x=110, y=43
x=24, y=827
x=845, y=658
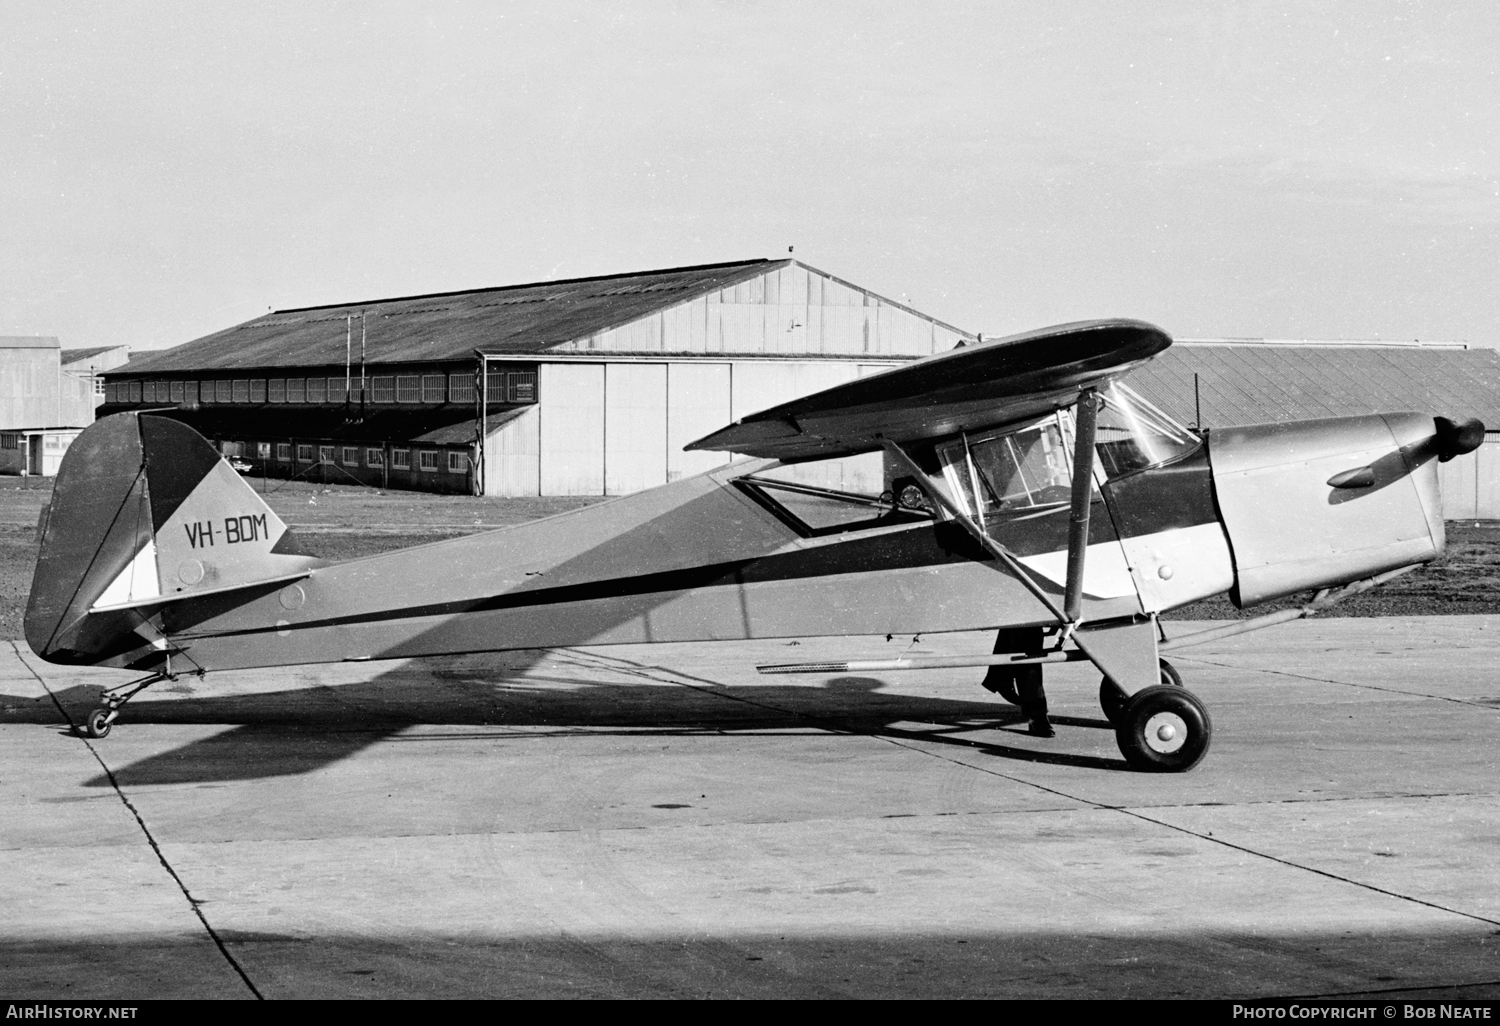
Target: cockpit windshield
x=1131, y=434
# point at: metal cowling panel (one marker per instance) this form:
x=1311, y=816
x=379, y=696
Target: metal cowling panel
x=1290, y=531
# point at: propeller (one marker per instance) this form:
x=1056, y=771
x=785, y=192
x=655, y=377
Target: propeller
x=1455, y=438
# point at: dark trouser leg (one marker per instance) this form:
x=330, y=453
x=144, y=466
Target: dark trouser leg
x=1024, y=681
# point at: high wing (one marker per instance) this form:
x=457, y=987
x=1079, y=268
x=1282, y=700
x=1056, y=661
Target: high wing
x=966, y=389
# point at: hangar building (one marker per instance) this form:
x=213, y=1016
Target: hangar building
x=582, y=387
x=1220, y=383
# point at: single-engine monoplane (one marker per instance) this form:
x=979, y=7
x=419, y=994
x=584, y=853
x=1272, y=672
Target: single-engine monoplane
x=1015, y=485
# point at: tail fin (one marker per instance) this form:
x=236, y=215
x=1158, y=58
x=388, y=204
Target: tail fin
x=144, y=512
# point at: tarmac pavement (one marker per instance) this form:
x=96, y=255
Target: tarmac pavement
x=662, y=821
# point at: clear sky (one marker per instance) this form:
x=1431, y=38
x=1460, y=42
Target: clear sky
x=1296, y=169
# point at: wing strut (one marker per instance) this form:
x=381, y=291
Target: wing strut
x=1078, y=519
x=989, y=544
x=1070, y=615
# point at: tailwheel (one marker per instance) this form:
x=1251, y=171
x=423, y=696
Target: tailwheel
x=1112, y=700
x=98, y=723
x=1163, y=729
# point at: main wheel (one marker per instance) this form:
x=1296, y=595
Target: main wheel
x=98, y=723
x=1163, y=729
x=1112, y=699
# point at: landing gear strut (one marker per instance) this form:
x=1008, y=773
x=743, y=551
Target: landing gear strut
x=101, y=719
x=1112, y=700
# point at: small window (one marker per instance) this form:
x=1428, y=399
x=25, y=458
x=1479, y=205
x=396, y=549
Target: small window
x=148, y=391
x=257, y=390
x=276, y=390
x=263, y=449
x=176, y=392
x=53, y=443
x=98, y=386
x=325, y=454
x=357, y=389
x=190, y=391
x=434, y=388
x=460, y=388
x=304, y=453
x=400, y=459
x=284, y=451
x=206, y=392
x=350, y=456
x=112, y=392
x=223, y=391
x=374, y=457
x=134, y=392
x=317, y=390
x=338, y=389
x=241, y=390
x=296, y=390
x=10, y=440
x=232, y=448
x=408, y=389
x=383, y=390
x=458, y=463
x=521, y=386
x=427, y=460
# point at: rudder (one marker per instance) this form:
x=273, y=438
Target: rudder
x=144, y=512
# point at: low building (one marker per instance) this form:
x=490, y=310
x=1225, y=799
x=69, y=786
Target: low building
x=42, y=407
x=582, y=387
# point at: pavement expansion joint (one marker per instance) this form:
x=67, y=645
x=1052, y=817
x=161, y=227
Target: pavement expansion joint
x=893, y=738
x=193, y=903
x=1352, y=684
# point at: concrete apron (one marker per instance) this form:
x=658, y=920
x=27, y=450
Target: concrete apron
x=661, y=821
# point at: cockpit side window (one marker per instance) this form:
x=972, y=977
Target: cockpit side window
x=1131, y=434
x=1013, y=471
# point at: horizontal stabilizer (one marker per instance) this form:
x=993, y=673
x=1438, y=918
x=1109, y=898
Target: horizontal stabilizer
x=965, y=389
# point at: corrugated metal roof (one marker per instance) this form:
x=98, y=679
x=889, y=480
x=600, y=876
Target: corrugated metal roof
x=513, y=320
x=1254, y=384
x=70, y=356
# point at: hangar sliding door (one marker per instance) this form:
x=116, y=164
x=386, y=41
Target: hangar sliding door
x=571, y=428
x=635, y=427
x=697, y=405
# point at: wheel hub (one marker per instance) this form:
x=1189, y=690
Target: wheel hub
x=1166, y=732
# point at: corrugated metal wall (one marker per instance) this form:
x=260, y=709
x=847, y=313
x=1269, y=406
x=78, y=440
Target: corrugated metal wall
x=635, y=427
x=512, y=457
x=697, y=403
x=572, y=428
x=789, y=311
x=620, y=427
x=1471, y=484
x=34, y=392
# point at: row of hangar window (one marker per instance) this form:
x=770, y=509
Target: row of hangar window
x=348, y=455
x=505, y=387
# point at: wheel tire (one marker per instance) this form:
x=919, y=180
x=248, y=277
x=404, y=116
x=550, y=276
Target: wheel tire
x=1163, y=729
x=98, y=724
x=1112, y=700
x=1169, y=675
x=1006, y=689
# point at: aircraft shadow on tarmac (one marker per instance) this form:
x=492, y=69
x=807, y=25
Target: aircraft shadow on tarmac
x=290, y=732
